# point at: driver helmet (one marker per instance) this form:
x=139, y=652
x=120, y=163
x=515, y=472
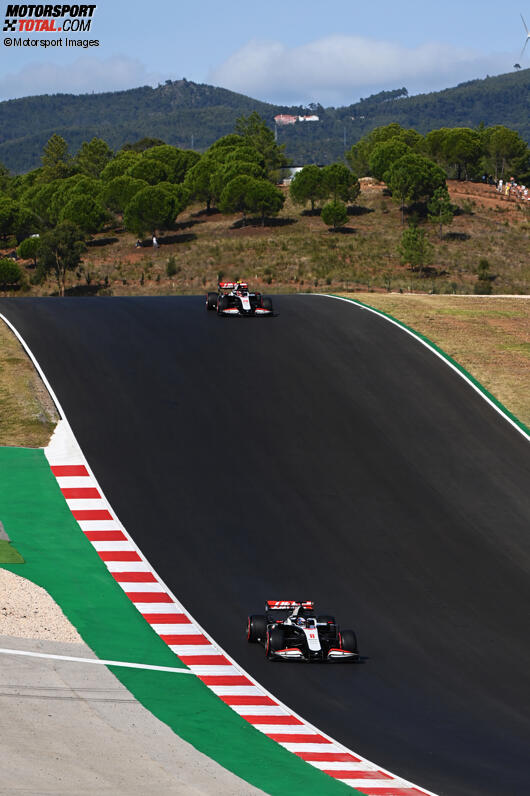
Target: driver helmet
x=300, y=616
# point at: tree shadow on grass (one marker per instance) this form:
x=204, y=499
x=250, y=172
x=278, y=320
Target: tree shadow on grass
x=101, y=241
x=187, y=224
x=316, y=212
x=456, y=236
x=6, y=290
x=465, y=209
x=82, y=290
x=342, y=230
x=269, y=222
x=164, y=240
x=428, y=271
x=359, y=210
x=213, y=211
x=167, y=239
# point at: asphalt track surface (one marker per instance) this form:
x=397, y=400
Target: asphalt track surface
x=322, y=454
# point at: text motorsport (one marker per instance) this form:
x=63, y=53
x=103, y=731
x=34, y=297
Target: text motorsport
x=56, y=18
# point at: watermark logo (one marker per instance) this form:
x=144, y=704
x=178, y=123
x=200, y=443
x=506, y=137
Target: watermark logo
x=48, y=18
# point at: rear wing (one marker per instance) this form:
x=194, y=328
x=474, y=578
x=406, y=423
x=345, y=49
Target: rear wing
x=283, y=605
x=232, y=285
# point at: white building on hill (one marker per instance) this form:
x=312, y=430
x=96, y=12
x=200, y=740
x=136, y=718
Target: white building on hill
x=284, y=118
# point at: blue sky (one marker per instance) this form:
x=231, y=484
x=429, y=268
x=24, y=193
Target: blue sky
x=294, y=51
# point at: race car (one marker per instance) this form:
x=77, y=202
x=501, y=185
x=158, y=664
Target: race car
x=233, y=298
x=290, y=631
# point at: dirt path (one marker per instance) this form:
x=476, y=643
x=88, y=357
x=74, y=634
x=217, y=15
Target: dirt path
x=486, y=195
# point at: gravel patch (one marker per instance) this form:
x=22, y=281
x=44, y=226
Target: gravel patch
x=28, y=611
x=72, y=728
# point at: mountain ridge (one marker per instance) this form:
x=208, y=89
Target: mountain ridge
x=193, y=115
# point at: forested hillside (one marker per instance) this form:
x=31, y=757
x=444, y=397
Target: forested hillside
x=181, y=113
x=498, y=100
x=149, y=194
x=189, y=115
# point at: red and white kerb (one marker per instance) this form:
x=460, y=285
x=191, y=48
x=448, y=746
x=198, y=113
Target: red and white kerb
x=194, y=647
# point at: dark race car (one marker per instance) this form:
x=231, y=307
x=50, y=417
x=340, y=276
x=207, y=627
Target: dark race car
x=290, y=631
x=233, y=298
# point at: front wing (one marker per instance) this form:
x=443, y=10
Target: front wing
x=299, y=648
x=236, y=311
x=298, y=654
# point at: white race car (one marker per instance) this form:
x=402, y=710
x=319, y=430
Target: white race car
x=234, y=298
x=289, y=630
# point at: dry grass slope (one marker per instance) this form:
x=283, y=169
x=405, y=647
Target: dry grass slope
x=489, y=337
x=297, y=252
x=27, y=413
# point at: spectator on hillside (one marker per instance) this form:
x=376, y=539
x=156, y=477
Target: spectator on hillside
x=155, y=242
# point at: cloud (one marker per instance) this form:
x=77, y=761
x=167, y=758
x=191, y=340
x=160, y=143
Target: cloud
x=339, y=69
x=86, y=74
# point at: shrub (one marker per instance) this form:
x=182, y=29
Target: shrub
x=334, y=214
x=483, y=269
x=11, y=274
x=414, y=249
x=28, y=249
x=171, y=267
x=483, y=285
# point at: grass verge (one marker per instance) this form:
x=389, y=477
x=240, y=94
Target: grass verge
x=489, y=337
x=27, y=413
x=8, y=554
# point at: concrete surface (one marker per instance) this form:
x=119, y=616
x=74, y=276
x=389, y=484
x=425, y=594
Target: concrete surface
x=72, y=728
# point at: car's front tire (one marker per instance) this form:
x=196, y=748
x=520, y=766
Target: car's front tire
x=348, y=641
x=275, y=641
x=256, y=628
x=222, y=304
x=266, y=303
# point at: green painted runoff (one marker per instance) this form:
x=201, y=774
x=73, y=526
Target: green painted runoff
x=59, y=558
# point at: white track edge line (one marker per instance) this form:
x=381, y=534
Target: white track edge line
x=228, y=657
x=70, y=658
x=430, y=347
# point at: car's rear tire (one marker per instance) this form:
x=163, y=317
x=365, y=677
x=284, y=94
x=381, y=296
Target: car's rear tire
x=266, y=303
x=211, y=301
x=275, y=641
x=348, y=640
x=256, y=628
